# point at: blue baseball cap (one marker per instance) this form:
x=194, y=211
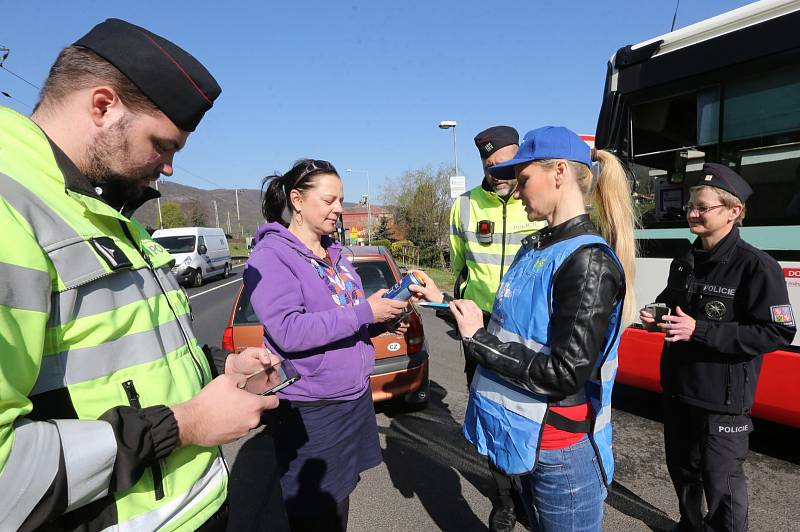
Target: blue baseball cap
x=548, y=142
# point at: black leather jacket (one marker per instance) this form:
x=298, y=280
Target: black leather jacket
x=586, y=289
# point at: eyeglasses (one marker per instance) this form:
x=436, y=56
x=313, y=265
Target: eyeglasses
x=689, y=207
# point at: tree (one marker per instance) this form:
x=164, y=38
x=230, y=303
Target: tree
x=421, y=200
x=382, y=232
x=172, y=214
x=196, y=213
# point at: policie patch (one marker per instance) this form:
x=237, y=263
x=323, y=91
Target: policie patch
x=782, y=314
x=111, y=253
x=737, y=425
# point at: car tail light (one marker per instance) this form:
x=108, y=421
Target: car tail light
x=415, y=335
x=227, y=340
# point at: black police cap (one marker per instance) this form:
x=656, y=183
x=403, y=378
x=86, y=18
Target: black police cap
x=720, y=176
x=494, y=138
x=169, y=76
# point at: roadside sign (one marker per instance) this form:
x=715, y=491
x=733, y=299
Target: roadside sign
x=458, y=185
x=354, y=233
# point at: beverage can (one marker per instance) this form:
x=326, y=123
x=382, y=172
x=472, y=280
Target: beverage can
x=400, y=291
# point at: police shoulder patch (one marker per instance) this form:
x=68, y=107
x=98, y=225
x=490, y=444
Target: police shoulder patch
x=782, y=314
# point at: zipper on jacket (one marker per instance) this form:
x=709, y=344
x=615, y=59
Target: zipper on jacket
x=133, y=400
x=503, y=246
x=744, y=388
x=146, y=258
x=728, y=385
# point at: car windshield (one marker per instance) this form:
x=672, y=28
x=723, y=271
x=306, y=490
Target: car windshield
x=178, y=243
x=375, y=274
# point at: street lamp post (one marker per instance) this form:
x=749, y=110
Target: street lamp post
x=369, y=209
x=451, y=124
x=158, y=200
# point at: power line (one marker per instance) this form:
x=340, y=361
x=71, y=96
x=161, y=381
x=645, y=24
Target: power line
x=4, y=51
x=7, y=95
x=182, y=169
x=19, y=77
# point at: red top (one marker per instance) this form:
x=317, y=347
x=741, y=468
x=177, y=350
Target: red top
x=553, y=438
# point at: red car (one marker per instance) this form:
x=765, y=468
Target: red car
x=401, y=362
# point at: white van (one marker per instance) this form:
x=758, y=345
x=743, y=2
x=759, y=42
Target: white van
x=200, y=252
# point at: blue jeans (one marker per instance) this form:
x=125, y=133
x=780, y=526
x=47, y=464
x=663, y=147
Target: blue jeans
x=566, y=490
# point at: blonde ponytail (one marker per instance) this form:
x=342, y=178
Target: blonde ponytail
x=615, y=216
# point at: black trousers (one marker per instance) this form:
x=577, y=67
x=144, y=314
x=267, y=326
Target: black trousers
x=705, y=453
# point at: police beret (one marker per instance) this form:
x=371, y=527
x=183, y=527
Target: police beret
x=169, y=76
x=494, y=138
x=720, y=176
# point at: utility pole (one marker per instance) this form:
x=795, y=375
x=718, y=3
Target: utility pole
x=229, y=222
x=216, y=214
x=238, y=217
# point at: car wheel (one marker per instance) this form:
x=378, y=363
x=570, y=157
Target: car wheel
x=226, y=271
x=197, y=280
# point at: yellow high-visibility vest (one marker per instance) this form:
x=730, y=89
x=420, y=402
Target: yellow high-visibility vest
x=90, y=319
x=480, y=258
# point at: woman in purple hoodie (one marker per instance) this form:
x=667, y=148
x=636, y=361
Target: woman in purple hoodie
x=311, y=302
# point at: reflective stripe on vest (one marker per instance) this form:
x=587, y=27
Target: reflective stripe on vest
x=485, y=262
x=63, y=245
x=39, y=446
x=24, y=288
x=504, y=421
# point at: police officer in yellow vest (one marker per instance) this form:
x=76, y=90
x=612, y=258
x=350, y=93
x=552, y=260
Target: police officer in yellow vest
x=109, y=416
x=487, y=225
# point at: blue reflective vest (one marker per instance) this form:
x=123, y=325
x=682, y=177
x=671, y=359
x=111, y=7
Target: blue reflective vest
x=504, y=421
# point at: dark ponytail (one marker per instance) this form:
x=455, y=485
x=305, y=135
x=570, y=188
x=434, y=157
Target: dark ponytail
x=275, y=203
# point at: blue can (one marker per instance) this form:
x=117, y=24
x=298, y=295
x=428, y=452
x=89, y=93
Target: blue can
x=400, y=291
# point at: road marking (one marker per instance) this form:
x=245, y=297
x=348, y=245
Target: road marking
x=218, y=286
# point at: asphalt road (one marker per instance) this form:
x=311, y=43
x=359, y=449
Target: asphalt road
x=432, y=479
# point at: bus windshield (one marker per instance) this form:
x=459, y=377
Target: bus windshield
x=751, y=123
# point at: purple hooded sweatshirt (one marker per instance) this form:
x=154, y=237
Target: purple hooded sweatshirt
x=320, y=323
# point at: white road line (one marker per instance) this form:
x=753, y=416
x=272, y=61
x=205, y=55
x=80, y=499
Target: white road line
x=218, y=286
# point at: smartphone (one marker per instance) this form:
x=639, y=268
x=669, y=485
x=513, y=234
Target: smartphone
x=270, y=381
x=658, y=311
x=429, y=304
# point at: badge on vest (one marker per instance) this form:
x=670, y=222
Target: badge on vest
x=715, y=310
x=111, y=253
x=782, y=314
x=485, y=231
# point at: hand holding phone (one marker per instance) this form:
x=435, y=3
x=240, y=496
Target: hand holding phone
x=657, y=311
x=270, y=381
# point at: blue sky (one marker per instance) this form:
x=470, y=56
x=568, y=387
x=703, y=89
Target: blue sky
x=362, y=84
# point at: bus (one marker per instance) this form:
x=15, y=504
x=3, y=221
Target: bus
x=724, y=90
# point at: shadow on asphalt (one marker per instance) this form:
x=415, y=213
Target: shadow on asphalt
x=422, y=451
x=627, y=502
x=768, y=438
x=254, y=490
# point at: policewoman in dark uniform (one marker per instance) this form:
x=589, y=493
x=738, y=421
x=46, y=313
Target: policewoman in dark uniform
x=729, y=306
